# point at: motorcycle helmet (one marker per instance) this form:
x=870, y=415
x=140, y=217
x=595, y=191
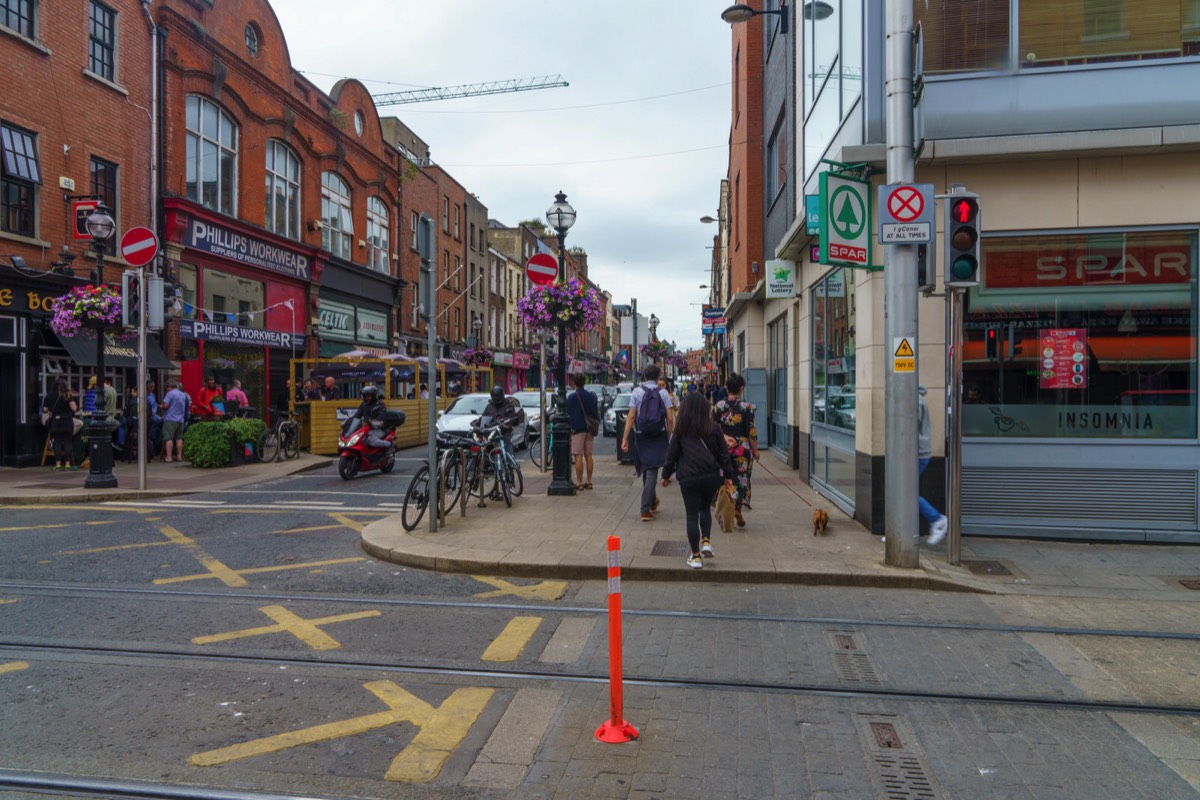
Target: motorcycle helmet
x=497, y=394
x=369, y=393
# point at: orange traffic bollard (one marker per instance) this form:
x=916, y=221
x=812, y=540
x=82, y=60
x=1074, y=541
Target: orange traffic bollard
x=615, y=729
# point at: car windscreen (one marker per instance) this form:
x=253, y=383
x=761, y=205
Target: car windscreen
x=530, y=399
x=469, y=404
x=622, y=401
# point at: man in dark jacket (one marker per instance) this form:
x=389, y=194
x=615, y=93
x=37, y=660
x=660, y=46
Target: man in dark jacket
x=371, y=411
x=582, y=404
x=503, y=411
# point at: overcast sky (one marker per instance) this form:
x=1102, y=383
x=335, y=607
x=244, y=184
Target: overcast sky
x=638, y=141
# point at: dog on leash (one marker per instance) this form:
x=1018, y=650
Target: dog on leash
x=820, y=520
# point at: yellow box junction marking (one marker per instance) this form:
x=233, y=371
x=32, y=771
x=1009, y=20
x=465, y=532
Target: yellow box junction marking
x=512, y=640
x=93, y=550
x=57, y=525
x=215, y=568
x=904, y=359
x=546, y=590
x=306, y=630
x=441, y=729
x=13, y=666
x=6, y=602
x=341, y=520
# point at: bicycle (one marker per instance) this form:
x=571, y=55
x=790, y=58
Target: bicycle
x=450, y=480
x=490, y=468
x=283, y=436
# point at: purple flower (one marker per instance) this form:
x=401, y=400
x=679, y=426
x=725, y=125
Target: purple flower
x=90, y=306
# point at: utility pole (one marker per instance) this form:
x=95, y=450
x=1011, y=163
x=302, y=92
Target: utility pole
x=900, y=484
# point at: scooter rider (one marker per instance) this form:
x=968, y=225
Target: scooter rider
x=506, y=412
x=371, y=411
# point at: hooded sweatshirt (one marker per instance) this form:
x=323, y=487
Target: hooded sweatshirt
x=924, y=434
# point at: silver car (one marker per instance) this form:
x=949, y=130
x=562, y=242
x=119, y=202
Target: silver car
x=468, y=408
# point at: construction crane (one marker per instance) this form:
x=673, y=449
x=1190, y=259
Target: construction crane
x=469, y=90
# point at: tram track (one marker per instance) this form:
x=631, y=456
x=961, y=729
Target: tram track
x=49, y=589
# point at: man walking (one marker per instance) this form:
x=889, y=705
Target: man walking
x=175, y=414
x=650, y=420
x=936, y=520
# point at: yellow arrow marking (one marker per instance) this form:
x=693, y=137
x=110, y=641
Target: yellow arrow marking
x=546, y=590
x=56, y=525
x=512, y=640
x=441, y=729
x=306, y=630
x=14, y=666
x=254, y=571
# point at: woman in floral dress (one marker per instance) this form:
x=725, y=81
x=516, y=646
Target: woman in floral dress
x=736, y=418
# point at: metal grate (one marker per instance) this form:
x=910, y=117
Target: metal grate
x=900, y=770
x=982, y=567
x=851, y=661
x=673, y=548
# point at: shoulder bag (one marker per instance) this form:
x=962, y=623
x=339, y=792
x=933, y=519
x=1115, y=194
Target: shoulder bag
x=593, y=424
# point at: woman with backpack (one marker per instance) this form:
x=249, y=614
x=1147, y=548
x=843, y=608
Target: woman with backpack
x=698, y=455
x=736, y=418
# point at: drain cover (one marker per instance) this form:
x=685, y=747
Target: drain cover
x=674, y=548
x=851, y=661
x=985, y=567
x=900, y=771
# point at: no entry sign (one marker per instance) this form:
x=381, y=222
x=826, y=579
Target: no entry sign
x=139, y=246
x=541, y=268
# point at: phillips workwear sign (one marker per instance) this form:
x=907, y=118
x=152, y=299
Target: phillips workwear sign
x=781, y=279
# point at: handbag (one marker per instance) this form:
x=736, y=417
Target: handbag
x=593, y=424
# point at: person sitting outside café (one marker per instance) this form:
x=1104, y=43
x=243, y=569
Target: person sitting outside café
x=154, y=421
x=209, y=393
x=129, y=420
x=110, y=400
x=236, y=395
x=329, y=390
x=89, y=396
x=175, y=415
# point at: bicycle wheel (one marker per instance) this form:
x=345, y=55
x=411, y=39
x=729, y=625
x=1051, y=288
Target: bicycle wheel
x=290, y=434
x=268, y=444
x=416, y=499
x=535, y=452
x=501, y=483
x=514, y=477
x=452, y=468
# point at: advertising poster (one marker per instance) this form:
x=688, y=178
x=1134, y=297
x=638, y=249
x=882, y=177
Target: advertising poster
x=1063, y=358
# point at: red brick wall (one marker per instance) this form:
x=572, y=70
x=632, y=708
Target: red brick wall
x=745, y=158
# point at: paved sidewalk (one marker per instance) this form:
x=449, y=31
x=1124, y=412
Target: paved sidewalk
x=566, y=538
x=42, y=485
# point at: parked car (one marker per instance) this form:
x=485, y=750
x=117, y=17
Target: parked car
x=602, y=399
x=620, y=403
x=842, y=411
x=529, y=401
x=468, y=408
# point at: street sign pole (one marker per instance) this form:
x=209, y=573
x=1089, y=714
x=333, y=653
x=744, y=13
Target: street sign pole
x=429, y=314
x=900, y=482
x=143, y=410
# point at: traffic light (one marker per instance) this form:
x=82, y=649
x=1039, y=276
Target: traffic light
x=131, y=299
x=962, y=240
x=991, y=342
x=156, y=308
x=926, y=268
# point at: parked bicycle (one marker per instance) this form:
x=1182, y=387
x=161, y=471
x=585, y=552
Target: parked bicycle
x=283, y=436
x=451, y=450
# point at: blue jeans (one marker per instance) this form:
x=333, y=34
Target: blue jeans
x=928, y=512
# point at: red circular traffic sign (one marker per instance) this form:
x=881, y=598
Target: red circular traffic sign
x=139, y=246
x=906, y=204
x=542, y=269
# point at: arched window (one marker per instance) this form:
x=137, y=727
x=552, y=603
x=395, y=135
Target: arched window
x=283, y=190
x=338, y=229
x=378, y=235
x=211, y=155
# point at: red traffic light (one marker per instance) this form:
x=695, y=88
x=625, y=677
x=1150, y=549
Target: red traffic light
x=964, y=210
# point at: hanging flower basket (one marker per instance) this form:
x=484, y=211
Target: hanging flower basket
x=677, y=360
x=476, y=356
x=656, y=351
x=573, y=306
x=95, y=307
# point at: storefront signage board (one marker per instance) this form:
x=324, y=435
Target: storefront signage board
x=845, y=221
x=217, y=240
x=781, y=279
x=372, y=326
x=232, y=334
x=520, y=360
x=1062, y=358
x=812, y=214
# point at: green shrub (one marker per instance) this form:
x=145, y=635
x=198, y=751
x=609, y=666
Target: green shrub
x=247, y=430
x=206, y=444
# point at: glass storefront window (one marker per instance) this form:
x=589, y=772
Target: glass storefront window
x=233, y=299
x=834, y=401
x=1083, y=335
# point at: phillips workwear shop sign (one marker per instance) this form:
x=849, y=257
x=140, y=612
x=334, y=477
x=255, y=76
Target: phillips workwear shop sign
x=232, y=334
x=219, y=241
x=781, y=279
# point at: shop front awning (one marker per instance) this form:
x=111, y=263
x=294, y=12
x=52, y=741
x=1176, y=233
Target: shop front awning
x=118, y=354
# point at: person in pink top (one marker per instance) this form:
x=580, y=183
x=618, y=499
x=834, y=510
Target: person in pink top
x=236, y=395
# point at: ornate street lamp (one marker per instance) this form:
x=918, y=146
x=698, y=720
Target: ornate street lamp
x=100, y=227
x=561, y=217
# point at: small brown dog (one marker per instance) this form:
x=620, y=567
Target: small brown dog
x=820, y=520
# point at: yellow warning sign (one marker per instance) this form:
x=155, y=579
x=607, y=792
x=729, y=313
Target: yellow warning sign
x=905, y=359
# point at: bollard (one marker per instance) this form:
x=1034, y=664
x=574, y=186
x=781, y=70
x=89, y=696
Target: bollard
x=615, y=729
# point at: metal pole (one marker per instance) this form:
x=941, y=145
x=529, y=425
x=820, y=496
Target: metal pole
x=100, y=454
x=425, y=243
x=954, y=306
x=900, y=484
x=542, y=372
x=634, y=357
x=143, y=302
x=560, y=481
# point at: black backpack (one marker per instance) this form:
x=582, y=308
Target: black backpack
x=651, y=414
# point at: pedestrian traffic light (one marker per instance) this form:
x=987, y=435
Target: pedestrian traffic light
x=962, y=240
x=131, y=299
x=991, y=342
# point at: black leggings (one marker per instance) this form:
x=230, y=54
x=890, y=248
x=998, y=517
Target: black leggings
x=63, y=447
x=697, y=499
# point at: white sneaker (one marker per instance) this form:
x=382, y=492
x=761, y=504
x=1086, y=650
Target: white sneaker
x=937, y=530
x=706, y=549
x=694, y=561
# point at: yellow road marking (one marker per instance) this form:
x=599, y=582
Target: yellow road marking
x=215, y=568
x=441, y=729
x=349, y=523
x=379, y=514
x=56, y=525
x=306, y=630
x=14, y=666
x=306, y=530
x=6, y=602
x=546, y=590
x=90, y=508
x=254, y=571
x=512, y=640
x=93, y=550
x=341, y=519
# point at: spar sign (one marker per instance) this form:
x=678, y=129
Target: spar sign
x=845, y=221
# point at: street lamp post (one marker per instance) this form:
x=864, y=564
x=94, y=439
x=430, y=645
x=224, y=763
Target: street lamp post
x=561, y=217
x=100, y=227
x=476, y=325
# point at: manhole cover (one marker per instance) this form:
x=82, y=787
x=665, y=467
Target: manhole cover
x=986, y=567
x=672, y=548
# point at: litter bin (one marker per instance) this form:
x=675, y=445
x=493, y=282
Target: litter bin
x=622, y=456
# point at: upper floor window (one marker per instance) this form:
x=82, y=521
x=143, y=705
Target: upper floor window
x=251, y=39
x=211, y=155
x=456, y=235
x=283, y=190
x=338, y=229
x=20, y=175
x=378, y=238
x=102, y=41
x=104, y=184
x=445, y=214
x=18, y=15
x=413, y=224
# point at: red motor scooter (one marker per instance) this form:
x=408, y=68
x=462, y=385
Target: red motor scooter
x=354, y=455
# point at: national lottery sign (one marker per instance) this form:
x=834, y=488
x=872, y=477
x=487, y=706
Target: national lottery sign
x=234, y=334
